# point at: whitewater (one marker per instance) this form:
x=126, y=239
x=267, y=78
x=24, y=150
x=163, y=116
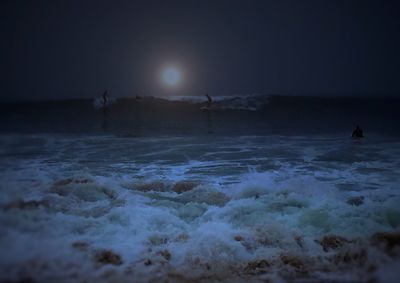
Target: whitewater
x=225, y=196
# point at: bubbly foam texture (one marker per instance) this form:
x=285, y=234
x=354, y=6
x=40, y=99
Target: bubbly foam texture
x=253, y=209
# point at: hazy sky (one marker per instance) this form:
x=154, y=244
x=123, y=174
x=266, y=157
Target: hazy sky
x=75, y=49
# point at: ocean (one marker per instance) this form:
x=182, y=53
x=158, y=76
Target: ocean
x=258, y=189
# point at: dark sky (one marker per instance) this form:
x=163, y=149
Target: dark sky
x=76, y=49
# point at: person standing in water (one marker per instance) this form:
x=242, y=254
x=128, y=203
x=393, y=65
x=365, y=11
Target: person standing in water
x=209, y=101
x=105, y=108
x=357, y=133
x=207, y=109
x=105, y=99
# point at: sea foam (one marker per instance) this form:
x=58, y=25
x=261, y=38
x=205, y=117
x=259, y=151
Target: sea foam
x=204, y=217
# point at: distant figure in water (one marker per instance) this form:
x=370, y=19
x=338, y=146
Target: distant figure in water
x=209, y=101
x=105, y=99
x=105, y=108
x=357, y=133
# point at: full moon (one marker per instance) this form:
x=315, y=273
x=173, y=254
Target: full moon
x=171, y=76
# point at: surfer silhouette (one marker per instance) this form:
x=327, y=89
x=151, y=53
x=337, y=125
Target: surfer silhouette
x=357, y=133
x=105, y=108
x=207, y=109
x=209, y=101
x=105, y=99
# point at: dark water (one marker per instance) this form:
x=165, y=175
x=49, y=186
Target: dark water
x=259, y=189
x=253, y=115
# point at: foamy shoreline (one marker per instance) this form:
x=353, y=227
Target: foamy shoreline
x=184, y=209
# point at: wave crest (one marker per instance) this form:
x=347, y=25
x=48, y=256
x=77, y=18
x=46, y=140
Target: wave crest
x=252, y=102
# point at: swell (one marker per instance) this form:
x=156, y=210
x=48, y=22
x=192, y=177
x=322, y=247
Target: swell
x=256, y=114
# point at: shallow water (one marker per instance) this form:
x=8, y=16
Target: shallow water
x=78, y=208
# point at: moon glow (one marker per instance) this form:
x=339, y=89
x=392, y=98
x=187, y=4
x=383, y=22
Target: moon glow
x=171, y=76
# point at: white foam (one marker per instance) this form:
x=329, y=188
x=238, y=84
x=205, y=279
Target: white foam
x=210, y=229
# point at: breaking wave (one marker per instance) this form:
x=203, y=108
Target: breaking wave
x=107, y=209
x=99, y=104
x=228, y=115
x=241, y=102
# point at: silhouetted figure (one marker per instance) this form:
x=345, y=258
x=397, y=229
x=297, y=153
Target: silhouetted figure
x=105, y=99
x=357, y=133
x=105, y=108
x=209, y=101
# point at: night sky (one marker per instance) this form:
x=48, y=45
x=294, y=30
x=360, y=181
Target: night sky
x=76, y=49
